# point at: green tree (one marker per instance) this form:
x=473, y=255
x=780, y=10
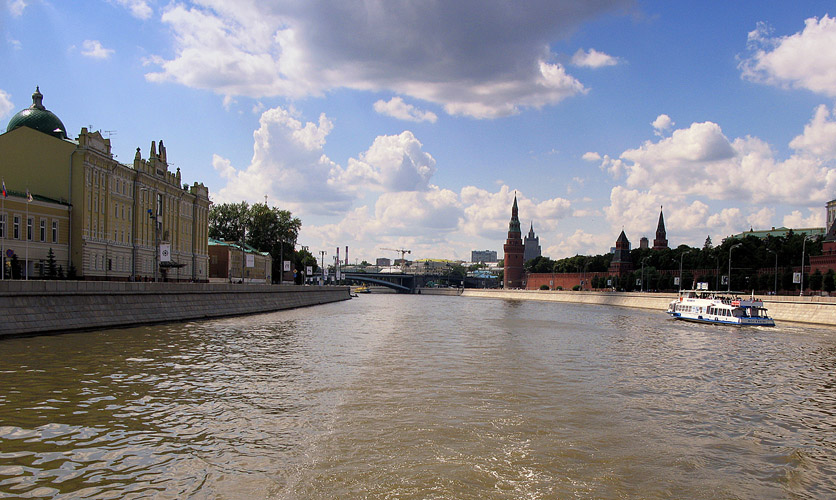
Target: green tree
x=301, y=259
x=227, y=221
x=539, y=265
x=51, y=267
x=829, y=283
x=816, y=280
x=268, y=229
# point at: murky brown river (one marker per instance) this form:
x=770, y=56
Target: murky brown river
x=420, y=397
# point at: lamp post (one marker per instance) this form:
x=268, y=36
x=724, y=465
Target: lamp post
x=680, y=268
x=323, y=253
x=730, y=249
x=644, y=259
x=775, y=292
x=156, y=220
x=803, y=245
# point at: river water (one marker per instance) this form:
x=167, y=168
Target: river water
x=422, y=397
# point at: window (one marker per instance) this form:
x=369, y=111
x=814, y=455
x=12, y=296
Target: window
x=43, y=230
x=55, y=231
x=29, y=222
x=116, y=210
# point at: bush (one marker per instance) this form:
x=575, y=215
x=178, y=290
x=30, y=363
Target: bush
x=544, y=287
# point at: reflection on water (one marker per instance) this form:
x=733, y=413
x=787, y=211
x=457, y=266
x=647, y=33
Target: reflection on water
x=389, y=396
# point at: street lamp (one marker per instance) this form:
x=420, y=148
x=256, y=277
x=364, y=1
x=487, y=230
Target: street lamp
x=803, y=245
x=644, y=259
x=157, y=223
x=680, y=268
x=323, y=253
x=730, y=249
x=776, y=270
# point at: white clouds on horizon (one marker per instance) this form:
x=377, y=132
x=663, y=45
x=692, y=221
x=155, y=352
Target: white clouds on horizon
x=494, y=67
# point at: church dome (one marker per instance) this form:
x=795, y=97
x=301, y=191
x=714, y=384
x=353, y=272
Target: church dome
x=39, y=118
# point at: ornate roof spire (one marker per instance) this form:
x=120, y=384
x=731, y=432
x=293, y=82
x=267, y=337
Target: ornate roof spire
x=37, y=99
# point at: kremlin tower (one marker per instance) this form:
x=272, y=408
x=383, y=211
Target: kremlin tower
x=514, y=251
x=661, y=241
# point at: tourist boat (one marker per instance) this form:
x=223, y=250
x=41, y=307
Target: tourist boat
x=362, y=289
x=723, y=308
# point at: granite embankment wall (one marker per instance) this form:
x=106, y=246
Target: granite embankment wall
x=28, y=307
x=817, y=310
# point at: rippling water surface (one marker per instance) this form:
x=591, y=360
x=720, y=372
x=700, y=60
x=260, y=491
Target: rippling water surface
x=415, y=397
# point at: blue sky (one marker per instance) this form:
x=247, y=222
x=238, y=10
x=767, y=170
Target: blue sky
x=397, y=124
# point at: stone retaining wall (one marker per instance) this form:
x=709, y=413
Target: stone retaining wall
x=817, y=310
x=58, y=306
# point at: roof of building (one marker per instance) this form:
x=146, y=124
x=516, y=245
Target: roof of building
x=779, y=232
x=39, y=118
x=831, y=233
x=235, y=244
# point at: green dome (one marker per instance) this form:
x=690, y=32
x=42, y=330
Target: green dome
x=39, y=118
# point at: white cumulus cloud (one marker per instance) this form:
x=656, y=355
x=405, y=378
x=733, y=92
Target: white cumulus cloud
x=392, y=163
x=397, y=108
x=16, y=7
x=662, y=123
x=6, y=105
x=593, y=59
x=94, y=49
x=495, y=67
x=804, y=60
x=138, y=8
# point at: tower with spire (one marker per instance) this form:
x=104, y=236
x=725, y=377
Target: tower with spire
x=621, y=264
x=514, y=251
x=661, y=240
x=532, y=245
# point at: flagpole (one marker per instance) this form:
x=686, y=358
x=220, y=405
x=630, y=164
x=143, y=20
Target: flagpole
x=28, y=196
x=5, y=230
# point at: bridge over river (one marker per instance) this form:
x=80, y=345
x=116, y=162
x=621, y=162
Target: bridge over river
x=409, y=283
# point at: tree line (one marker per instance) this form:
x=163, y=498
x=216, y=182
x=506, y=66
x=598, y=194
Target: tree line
x=753, y=265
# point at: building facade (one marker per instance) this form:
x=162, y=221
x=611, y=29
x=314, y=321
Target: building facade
x=514, y=251
x=531, y=245
x=228, y=262
x=111, y=221
x=477, y=256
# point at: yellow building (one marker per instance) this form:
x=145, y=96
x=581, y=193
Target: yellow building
x=101, y=218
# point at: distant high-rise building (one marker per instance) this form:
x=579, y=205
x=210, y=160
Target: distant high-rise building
x=532, y=245
x=644, y=243
x=383, y=262
x=661, y=241
x=514, y=251
x=483, y=256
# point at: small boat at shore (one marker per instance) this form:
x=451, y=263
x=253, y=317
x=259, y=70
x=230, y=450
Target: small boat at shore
x=362, y=289
x=722, y=308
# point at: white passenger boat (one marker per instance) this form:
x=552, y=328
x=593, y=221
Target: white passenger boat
x=724, y=308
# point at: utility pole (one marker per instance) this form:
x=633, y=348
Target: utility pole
x=323, y=253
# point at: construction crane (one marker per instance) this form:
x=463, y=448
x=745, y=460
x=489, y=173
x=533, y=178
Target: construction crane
x=402, y=251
